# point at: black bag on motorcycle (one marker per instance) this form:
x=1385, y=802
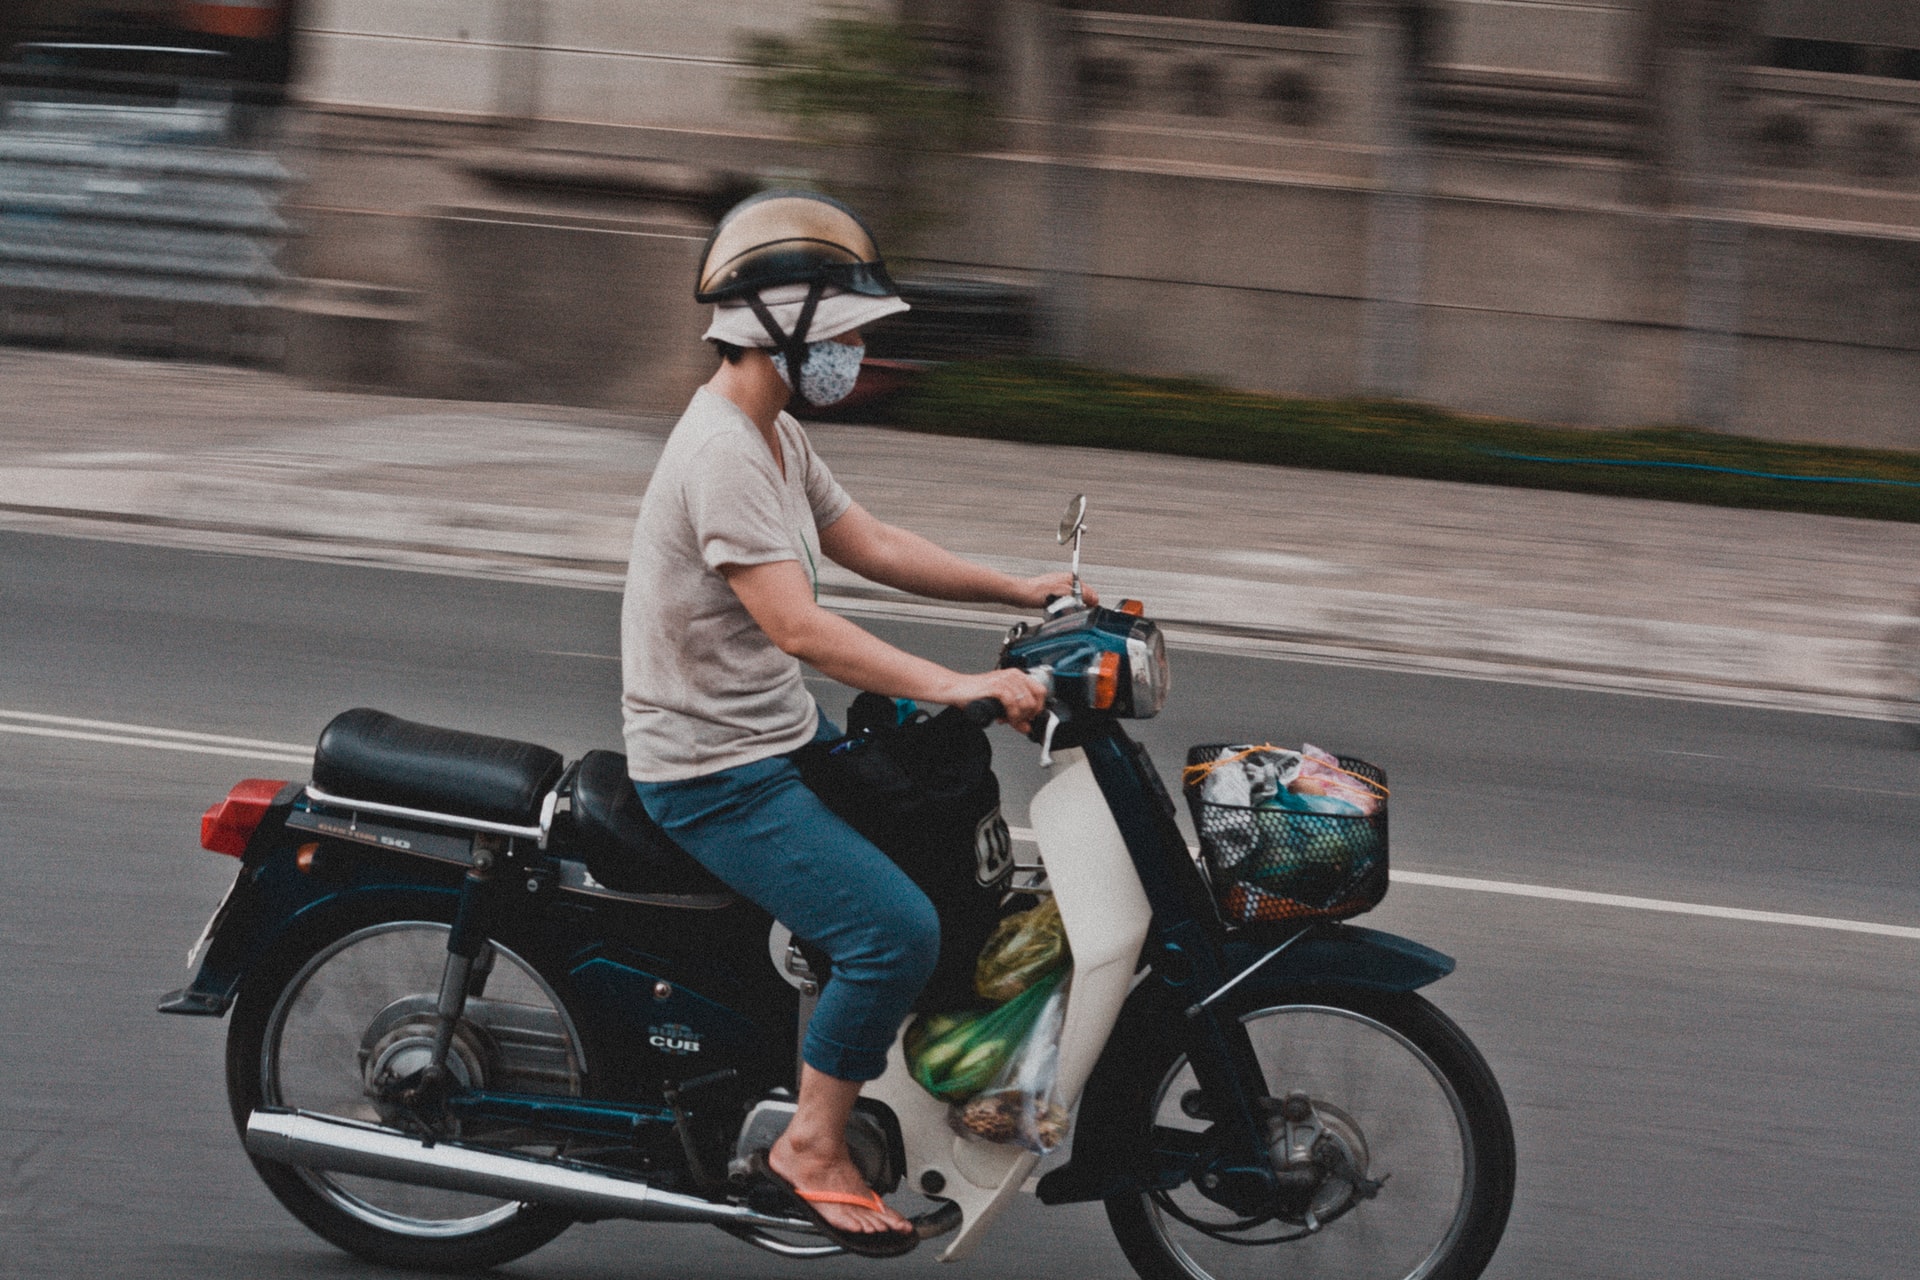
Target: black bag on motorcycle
x=923, y=791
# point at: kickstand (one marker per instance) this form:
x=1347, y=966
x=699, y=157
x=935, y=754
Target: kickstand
x=683, y=1127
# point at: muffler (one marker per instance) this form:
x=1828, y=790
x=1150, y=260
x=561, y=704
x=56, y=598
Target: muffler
x=346, y=1146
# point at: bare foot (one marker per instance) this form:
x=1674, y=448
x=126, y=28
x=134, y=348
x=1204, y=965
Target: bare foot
x=816, y=1170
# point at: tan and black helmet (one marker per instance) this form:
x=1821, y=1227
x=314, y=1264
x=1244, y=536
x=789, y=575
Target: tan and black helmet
x=791, y=241
x=790, y=237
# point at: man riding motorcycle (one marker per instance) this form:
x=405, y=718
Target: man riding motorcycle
x=721, y=609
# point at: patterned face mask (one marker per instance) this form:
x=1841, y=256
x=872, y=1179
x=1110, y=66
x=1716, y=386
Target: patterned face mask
x=828, y=373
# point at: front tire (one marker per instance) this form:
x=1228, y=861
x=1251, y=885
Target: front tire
x=1403, y=1094
x=304, y=1031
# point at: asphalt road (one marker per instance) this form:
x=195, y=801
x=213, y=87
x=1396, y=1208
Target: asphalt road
x=1692, y=1095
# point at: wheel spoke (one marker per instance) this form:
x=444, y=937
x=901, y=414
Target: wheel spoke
x=362, y=1007
x=1381, y=1098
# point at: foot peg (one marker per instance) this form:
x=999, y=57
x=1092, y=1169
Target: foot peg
x=940, y=1220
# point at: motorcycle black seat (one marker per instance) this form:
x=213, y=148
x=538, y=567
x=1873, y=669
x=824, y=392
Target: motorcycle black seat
x=369, y=755
x=623, y=847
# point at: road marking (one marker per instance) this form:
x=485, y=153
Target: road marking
x=140, y=735
x=1516, y=889
x=575, y=653
x=39, y=725
x=1697, y=755
x=1867, y=791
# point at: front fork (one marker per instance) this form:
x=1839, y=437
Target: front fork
x=1239, y=1172
x=1186, y=961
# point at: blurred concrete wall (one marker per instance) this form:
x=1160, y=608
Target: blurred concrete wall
x=1602, y=212
x=609, y=62
x=1593, y=39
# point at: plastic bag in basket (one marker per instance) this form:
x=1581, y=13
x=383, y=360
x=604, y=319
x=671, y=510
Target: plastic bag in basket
x=1025, y=948
x=955, y=1056
x=1019, y=1106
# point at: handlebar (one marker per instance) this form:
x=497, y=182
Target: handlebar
x=984, y=712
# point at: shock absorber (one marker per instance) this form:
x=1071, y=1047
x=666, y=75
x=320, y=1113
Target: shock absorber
x=467, y=943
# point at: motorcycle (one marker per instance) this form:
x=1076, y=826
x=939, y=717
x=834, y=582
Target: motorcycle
x=450, y=1039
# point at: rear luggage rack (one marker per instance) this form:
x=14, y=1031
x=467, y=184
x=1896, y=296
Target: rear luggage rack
x=572, y=874
x=538, y=833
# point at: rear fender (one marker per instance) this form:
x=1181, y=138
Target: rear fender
x=274, y=898
x=1111, y=1153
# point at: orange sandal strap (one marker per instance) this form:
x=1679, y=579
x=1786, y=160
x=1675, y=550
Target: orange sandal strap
x=867, y=1201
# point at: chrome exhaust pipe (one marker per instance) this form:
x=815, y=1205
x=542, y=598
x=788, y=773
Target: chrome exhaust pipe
x=346, y=1146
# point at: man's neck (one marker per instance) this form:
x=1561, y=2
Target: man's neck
x=758, y=390
x=754, y=386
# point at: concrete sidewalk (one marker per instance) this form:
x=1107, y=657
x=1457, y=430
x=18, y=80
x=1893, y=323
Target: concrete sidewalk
x=1775, y=609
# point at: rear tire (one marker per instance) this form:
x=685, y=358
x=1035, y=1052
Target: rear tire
x=1409, y=1095
x=297, y=1038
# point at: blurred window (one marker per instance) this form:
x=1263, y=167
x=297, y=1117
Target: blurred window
x=1287, y=13
x=1843, y=58
x=118, y=59
x=1270, y=13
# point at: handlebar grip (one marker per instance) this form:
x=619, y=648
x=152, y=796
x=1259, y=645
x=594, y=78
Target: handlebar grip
x=984, y=711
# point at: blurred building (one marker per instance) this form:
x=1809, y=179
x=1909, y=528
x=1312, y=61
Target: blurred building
x=1589, y=211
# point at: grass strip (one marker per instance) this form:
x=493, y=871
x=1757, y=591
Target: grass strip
x=1044, y=402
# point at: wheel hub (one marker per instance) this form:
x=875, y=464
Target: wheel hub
x=396, y=1062
x=1320, y=1160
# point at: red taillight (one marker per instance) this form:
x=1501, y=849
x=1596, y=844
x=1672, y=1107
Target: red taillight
x=227, y=826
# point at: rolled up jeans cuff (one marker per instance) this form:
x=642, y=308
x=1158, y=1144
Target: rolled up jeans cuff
x=843, y=1061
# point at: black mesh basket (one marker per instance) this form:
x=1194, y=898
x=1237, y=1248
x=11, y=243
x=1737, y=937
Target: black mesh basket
x=1272, y=865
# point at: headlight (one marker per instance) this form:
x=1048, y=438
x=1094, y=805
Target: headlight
x=1147, y=659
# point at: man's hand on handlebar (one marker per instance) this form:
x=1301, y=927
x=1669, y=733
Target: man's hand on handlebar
x=1021, y=697
x=1036, y=592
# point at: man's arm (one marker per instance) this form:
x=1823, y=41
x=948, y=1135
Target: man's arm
x=893, y=557
x=780, y=598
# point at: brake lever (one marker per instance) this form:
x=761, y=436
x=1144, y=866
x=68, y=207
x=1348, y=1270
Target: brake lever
x=1058, y=715
x=1046, y=740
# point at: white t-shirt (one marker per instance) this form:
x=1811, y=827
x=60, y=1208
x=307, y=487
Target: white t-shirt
x=703, y=688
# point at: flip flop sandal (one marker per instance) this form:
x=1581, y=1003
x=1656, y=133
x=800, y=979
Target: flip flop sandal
x=867, y=1244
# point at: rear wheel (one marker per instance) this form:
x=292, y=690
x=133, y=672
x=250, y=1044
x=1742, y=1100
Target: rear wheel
x=324, y=1025
x=1390, y=1133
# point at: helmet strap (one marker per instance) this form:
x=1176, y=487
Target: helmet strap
x=792, y=345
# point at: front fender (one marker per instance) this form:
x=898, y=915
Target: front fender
x=1111, y=1151
x=1340, y=955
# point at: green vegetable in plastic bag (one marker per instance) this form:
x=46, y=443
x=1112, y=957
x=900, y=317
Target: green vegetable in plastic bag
x=1023, y=949
x=954, y=1056
x=1020, y=1105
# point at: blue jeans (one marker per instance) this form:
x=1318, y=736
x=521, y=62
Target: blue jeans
x=757, y=827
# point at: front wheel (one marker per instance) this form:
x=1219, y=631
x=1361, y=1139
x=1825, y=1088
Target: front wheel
x=321, y=1026
x=1401, y=1168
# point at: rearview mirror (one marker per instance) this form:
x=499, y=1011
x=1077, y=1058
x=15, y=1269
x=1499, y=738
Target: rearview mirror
x=1074, y=520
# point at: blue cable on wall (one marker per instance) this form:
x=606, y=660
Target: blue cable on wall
x=1696, y=466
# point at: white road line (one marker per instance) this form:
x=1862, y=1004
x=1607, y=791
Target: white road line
x=135, y=735
x=40, y=725
x=1515, y=889
x=151, y=731
x=1867, y=791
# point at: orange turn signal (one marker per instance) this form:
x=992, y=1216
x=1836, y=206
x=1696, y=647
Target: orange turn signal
x=1106, y=681
x=1132, y=608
